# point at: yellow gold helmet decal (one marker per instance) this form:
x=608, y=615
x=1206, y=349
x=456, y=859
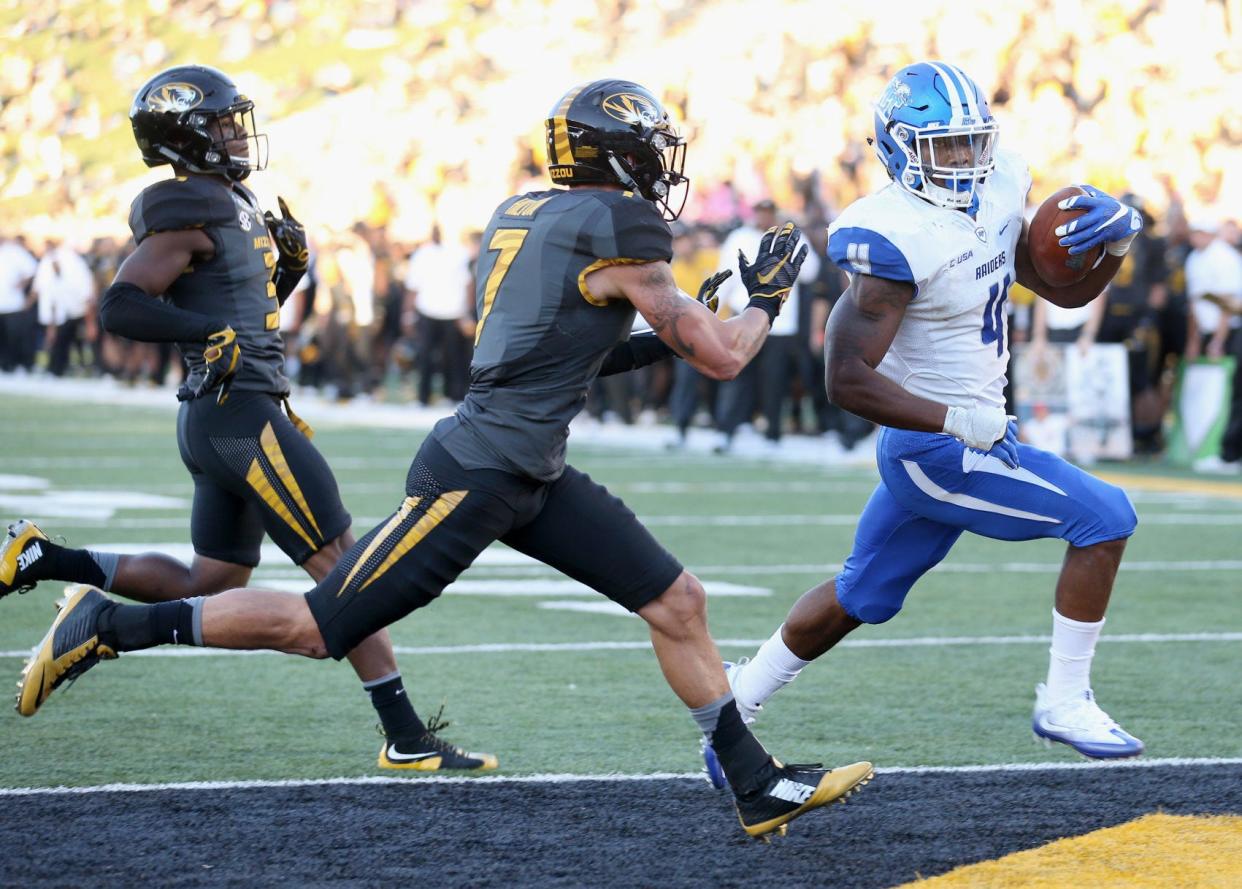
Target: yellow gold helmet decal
x=632, y=108
x=174, y=97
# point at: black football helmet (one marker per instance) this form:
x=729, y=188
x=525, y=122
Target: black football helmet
x=617, y=132
x=193, y=117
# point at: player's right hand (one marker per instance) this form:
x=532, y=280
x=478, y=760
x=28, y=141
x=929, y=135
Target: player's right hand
x=772, y=275
x=980, y=428
x=1006, y=450
x=709, y=290
x=221, y=361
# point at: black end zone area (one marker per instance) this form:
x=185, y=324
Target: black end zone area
x=642, y=833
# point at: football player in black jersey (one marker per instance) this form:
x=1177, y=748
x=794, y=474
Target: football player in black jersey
x=223, y=268
x=562, y=273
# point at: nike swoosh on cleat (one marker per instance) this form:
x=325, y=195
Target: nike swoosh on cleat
x=397, y=756
x=767, y=279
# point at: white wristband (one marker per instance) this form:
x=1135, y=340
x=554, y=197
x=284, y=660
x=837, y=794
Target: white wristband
x=1120, y=248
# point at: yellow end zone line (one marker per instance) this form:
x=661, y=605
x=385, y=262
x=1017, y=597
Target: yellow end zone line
x=1154, y=850
x=1171, y=484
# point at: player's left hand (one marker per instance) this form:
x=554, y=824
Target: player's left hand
x=290, y=238
x=771, y=277
x=1106, y=221
x=709, y=290
x=1006, y=449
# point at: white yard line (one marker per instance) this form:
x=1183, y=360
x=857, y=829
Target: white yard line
x=849, y=519
x=379, y=780
x=638, y=645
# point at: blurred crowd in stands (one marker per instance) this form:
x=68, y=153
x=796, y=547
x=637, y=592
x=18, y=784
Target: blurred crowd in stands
x=396, y=126
x=388, y=320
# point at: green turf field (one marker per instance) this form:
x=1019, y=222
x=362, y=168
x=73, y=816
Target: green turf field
x=148, y=719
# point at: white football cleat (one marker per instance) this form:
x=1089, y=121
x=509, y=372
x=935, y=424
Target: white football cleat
x=1079, y=722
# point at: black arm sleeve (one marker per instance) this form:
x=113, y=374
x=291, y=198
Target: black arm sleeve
x=285, y=280
x=638, y=351
x=128, y=310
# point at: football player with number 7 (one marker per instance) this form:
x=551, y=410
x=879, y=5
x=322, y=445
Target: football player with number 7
x=561, y=276
x=918, y=345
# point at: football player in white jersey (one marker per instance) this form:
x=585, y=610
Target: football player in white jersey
x=918, y=345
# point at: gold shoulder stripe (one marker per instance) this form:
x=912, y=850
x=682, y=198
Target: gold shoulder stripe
x=595, y=267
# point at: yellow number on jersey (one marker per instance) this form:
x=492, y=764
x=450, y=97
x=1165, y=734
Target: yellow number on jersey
x=508, y=241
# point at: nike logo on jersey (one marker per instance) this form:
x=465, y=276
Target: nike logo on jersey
x=792, y=791
x=1003, y=227
x=29, y=556
x=766, y=279
x=397, y=756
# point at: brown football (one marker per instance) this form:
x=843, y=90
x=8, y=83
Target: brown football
x=1053, y=262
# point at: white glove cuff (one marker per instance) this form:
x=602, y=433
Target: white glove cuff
x=1122, y=247
x=957, y=422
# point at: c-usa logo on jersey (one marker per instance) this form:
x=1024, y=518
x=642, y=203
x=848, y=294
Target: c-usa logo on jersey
x=243, y=219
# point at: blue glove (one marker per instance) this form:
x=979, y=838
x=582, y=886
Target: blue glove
x=1006, y=449
x=1106, y=221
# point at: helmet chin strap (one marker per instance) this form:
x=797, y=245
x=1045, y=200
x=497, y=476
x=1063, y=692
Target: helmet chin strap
x=626, y=177
x=181, y=161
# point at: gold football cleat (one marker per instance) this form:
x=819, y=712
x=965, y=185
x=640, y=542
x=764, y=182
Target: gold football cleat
x=21, y=549
x=70, y=648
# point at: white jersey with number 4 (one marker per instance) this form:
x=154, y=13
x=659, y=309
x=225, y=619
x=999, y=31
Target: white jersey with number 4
x=952, y=346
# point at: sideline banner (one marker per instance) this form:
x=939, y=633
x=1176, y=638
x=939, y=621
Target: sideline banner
x=1074, y=404
x=1200, y=409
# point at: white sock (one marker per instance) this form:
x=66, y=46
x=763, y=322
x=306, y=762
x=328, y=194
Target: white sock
x=772, y=668
x=1069, y=664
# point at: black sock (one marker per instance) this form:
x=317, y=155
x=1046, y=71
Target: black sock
x=62, y=563
x=134, y=627
x=746, y=763
x=393, y=705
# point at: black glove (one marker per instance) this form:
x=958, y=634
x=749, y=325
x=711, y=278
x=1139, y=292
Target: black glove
x=709, y=294
x=775, y=269
x=289, y=237
x=221, y=361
